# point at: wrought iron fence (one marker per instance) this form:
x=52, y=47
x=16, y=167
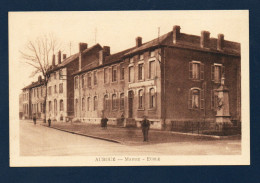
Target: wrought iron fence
x=190, y=127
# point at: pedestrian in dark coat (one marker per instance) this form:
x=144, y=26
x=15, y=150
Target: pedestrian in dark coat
x=145, y=128
x=34, y=119
x=104, y=121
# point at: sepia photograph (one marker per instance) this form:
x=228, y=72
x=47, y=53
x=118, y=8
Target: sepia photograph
x=129, y=88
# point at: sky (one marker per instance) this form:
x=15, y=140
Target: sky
x=117, y=29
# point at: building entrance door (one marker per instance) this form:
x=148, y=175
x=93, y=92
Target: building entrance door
x=130, y=103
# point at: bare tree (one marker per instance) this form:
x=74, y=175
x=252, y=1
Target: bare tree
x=38, y=54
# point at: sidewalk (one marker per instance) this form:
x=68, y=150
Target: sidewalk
x=128, y=136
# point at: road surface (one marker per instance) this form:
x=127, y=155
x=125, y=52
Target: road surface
x=38, y=140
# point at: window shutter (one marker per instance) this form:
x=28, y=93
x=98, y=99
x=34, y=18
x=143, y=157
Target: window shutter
x=190, y=70
x=202, y=71
x=222, y=70
x=190, y=99
x=202, y=99
x=212, y=99
x=212, y=72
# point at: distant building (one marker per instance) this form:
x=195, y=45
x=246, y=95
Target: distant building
x=33, y=99
x=21, y=107
x=171, y=79
x=60, y=87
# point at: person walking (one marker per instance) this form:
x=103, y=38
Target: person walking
x=34, y=119
x=104, y=121
x=145, y=128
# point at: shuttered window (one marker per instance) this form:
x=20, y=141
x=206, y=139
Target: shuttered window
x=196, y=70
x=217, y=71
x=196, y=98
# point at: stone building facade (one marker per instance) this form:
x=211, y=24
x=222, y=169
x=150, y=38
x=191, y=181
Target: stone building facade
x=33, y=99
x=26, y=102
x=60, y=92
x=37, y=98
x=172, y=78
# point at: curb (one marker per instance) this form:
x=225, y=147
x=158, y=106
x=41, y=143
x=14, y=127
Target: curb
x=210, y=136
x=91, y=136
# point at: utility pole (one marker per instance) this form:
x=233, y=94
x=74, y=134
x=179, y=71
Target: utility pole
x=70, y=48
x=95, y=35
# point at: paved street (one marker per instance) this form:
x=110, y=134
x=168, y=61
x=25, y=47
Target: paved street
x=42, y=141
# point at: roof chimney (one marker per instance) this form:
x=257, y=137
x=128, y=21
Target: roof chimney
x=101, y=57
x=204, y=39
x=138, y=41
x=53, y=60
x=39, y=78
x=106, y=50
x=59, y=57
x=220, y=44
x=82, y=46
x=64, y=56
x=176, y=33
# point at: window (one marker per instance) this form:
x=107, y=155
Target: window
x=60, y=74
x=114, y=106
x=95, y=77
x=61, y=87
x=196, y=98
x=122, y=101
x=37, y=92
x=49, y=90
x=214, y=99
x=114, y=74
x=131, y=74
x=83, y=104
x=152, y=53
x=55, y=89
x=122, y=73
x=61, y=105
x=41, y=107
x=76, y=82
x=76, y=107
x=50, y=108
x=83, y=81
x=41, y=91
x=140, y=71
x=88, y=104
x=132, y=60
x=106, y=75
x=89, y=80
x=141, y=56
x=106, y=105
x=55, y=107
x=217, y=70
x=151, y=69
x=152, y=98
x=196, y=70
x=141, y=99
x=54, y=75
x=95, y=103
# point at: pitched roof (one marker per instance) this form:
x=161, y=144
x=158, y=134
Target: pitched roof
x=73, y=57
x=160, y=40
x=184, y=41
x=34, y=84
x=108, y=60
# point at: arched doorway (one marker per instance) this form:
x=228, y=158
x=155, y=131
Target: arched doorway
x=130, y=103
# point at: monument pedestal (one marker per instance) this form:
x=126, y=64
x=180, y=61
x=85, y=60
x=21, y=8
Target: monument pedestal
x=223, y=115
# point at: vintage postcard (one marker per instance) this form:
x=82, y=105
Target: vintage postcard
x=129, y=88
